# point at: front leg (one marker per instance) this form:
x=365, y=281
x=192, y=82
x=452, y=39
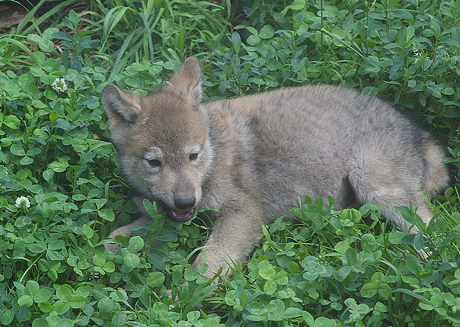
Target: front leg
x=232, y=239
x=125, y=231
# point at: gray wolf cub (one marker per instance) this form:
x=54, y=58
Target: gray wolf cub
x=251, y=157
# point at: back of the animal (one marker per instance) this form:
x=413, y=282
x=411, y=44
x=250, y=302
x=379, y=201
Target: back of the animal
x=325, y=140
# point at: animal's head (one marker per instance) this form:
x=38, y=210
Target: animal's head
x=163, y=140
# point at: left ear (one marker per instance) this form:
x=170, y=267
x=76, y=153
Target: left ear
x=187, y=81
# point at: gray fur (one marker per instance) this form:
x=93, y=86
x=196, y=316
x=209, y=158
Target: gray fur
x=256, y=154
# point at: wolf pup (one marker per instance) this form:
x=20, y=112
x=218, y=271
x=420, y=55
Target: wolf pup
x=251, y=157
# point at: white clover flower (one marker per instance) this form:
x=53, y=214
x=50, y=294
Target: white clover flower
x=59, y=85
x=22, y=201
x=2, y=94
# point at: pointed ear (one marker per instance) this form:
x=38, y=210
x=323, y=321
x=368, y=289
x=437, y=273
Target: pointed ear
x=187, y=81
x=120, y=106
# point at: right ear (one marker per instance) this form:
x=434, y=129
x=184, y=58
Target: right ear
x=187, y=81
x=120, y=106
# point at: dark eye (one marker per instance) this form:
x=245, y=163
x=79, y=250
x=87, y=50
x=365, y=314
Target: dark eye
x=155, y=163
x=193, y=156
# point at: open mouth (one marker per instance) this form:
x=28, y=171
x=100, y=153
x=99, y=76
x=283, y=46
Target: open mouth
x=182, y=216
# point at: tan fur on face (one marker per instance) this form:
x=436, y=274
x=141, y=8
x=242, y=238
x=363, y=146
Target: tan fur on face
x=251, y=157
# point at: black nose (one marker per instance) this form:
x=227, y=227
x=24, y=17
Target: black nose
x=184, y=203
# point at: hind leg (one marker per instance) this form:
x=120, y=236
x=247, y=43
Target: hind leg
x=390, y=183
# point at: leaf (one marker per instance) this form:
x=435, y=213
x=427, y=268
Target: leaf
x=64, y=291
x=426, y=306
x=266, y=32
x=310, y=275
x=325, y=270
x=419, y=241
x=377, y=285
x=89, y=44
x=342, y=247
x=253, y=40
x=310, y=262
x=131, y=260
x=155, y=279
x=12, y=121
x=32, y=288
x=33, y=151
x=42, y=296
x=352, y=256
x=402, y=14
x=25, y=301
x=81, y=146
x=52, y=274
x=236, y=38
x=40, y=322
x=203, y=268
x=54, y=255
x=293, y=267
x=410, y=30
x=448, y=91
x=48, y=175
x=106, y=214
x=88, y=100
x=368, y=243
x=46, y=46
x=297, y=5
x=63, y=124
x=374, y=64
x=396, y=237
x=76, y=301
x=343, y=273
x=109, y=267
x=17, y=150
x=351, y=214
x=291, y=313
x=58, y=167
x=3, y=172
x=255, y=318
x=267, y=273
x=308, y=318
x=22, y=221
x=270, y=287
x=190, y=274
x=36, y=248
x=150, y=207
x=7, y=317
x=136, y=243
x=105, y=305
x=99, y=260
x=34, y=38
x=87, y=231
x=63, y=36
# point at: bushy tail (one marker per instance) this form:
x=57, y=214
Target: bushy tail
x=437, y=177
